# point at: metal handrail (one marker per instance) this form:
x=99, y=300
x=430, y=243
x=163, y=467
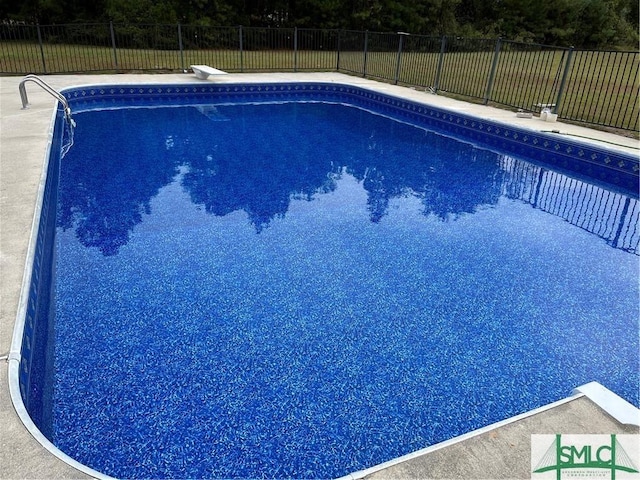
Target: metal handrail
x=47, y=88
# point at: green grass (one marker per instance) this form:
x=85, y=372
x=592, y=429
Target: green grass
x=22, y=58
x=602, y=87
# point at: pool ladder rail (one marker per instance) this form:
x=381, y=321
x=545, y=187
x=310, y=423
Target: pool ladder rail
x=49, y=89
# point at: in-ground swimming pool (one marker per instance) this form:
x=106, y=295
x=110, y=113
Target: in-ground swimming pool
x=308, y=280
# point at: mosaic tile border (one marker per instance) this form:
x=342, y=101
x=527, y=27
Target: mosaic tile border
x=602, y=164
x=36, y=339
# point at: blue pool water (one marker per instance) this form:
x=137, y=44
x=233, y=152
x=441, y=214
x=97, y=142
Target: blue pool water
x=309, y=289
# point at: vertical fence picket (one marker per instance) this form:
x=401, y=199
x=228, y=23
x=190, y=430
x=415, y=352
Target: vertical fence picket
x=180, y=47
x=241, y=49
x=633, y=116
x=338, y=51
x=594, y=85
x=113, y=45
x=366, y=44
x=295, y=49
x=44, y=64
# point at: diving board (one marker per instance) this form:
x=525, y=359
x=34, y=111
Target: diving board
x=203, y=71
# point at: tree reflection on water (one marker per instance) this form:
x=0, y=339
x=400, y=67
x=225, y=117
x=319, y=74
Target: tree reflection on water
x=258, y=158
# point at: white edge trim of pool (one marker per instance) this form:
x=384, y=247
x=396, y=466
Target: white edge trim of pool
x=18, y=331
x=617, y=407
x=621, y=410
x=452, y=441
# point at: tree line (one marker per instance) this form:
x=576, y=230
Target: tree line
x=581, y=23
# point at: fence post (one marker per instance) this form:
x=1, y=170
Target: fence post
x=113, y=46
x=492, y=74
x=295, y=49
x=366, y=43
x=338, y=55
x=181, y=49
x=44, y=65
x=567, y=67
x=443, y=46
x=240, y=37
x=402, y=35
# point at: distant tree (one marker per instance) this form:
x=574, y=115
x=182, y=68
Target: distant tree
x=43, y=11
x=627, y=13
x=321, y=13
x=429, y=17
x=52, y=11
x=141, y=11
x=477, y=17
x=631, y=11
x=582, y=23
x=439, y=17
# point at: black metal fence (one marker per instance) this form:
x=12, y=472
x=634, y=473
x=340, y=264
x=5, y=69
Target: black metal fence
x=589, y=86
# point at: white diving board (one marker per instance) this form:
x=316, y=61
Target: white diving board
x=203, y=71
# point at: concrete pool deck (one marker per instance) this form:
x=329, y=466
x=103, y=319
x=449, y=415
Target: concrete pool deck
x=500, y=452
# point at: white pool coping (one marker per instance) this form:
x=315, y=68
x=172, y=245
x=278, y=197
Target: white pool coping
x=623, y=411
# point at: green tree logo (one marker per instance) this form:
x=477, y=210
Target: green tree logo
x=581, y=457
